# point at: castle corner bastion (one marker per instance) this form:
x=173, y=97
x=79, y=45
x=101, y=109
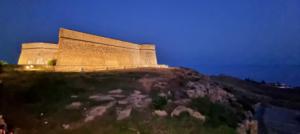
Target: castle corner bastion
x=37, y=53
x=77, y=51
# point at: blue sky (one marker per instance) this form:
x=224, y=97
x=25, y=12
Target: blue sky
x=186, y=33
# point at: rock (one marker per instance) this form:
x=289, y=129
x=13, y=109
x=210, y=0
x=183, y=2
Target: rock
x=118, y=95
x=191, y=93
x=180, y=109
x=134, y=130
x=137, y=92
x=123, y=114
x=217, y=94
x=248, y=127
x=160, y=113
x=179, y=94
x=66, y=126
x=74, y=96
x=94, y=112
x=182, y=101
x=197, y=115
x=2, y=121
x=74, y=105
x=160, y=85
x=116, y=91
x=123, y=102
x=162, y=95
x=98, y=111
x=196, y=89
x=100, y=97
x=138, y=100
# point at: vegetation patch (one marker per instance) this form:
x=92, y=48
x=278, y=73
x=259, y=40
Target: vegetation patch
x=159, y=102
x=217, y=114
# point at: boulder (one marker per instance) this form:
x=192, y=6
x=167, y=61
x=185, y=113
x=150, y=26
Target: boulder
x=118, y=95
x=217, y=94
x=116, y=91
x=74, y=96
x=162, y=94
x=137, y=92
x=123, y=102
x=74, y=105
x=248, y=127
x=65, y=126
x=94, y=112
x=100, y=97
x=2, y=121
x=138, y=100
x=182, y=101
x=98, y=111
x=160, y=113
x=180, y=109
x=160, y=85
x=123, y=114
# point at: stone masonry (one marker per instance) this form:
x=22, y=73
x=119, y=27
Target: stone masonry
x=37, y=53
x=77, y=51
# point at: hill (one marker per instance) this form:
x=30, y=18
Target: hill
x=160, y=101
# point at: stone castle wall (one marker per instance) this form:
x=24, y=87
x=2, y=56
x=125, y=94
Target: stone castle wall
x=37, y=53
x=85, y=52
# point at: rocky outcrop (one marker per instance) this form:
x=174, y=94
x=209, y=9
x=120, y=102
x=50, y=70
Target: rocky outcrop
x=74, y=105
x=248, y=127
x=160, y=113
x=139, y=100
x=98, y=111
x=123, y=113
x=181, y=109
x=100, y=97
x=116, y=91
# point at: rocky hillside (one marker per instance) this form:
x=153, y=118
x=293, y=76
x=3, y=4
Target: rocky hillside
x=139, y=101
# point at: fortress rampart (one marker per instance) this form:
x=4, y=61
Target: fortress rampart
x=37, y=53
x=77, y=51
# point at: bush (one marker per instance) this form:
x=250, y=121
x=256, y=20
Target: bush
x=2, y=62
x=217, y=114
x=52, y=62
x=159, y=102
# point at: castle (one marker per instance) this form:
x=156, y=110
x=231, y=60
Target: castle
x=77, y=51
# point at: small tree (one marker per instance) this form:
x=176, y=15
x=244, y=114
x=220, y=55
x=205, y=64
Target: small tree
x=1, y=70
x=52, y=62
x=2, y=62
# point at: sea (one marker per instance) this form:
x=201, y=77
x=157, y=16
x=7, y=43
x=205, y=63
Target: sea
x=287, y=74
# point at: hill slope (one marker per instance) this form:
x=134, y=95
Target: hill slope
x=160, y=101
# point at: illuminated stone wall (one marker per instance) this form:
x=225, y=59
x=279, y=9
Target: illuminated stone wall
x=85, y=52
x=37, y=53
x=78, y=51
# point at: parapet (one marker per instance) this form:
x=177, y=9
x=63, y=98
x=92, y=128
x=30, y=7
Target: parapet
x=95, y=39
x=39, y=45
x=147, y=47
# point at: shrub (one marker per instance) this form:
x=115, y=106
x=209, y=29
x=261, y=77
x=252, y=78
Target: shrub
x=216, y=113
x=2, y=62
x=159, y=102
x=52, y=62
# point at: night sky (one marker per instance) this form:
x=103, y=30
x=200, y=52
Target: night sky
x=186, y=33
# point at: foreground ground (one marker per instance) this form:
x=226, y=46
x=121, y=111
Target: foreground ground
x=131, y=101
